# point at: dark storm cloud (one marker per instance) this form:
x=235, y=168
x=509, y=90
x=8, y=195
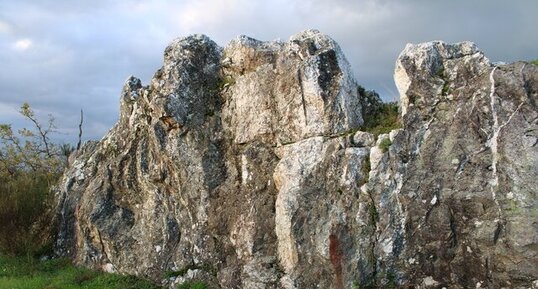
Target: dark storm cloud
x=62, y=55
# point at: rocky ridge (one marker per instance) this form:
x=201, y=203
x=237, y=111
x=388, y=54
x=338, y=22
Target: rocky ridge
x=244, y=167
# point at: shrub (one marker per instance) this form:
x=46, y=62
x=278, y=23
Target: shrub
x=535, y=62
x=25, y=213
x=379, y=117
x=29, y=165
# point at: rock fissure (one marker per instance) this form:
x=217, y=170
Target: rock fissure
x=493, y=141
x=103, y=248
x=299, y=77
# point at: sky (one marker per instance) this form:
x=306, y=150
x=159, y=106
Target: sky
x=63, y=55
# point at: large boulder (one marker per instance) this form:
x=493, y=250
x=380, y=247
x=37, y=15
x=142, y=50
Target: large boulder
x=243, y=167
x=456, y=192
x=217, y=165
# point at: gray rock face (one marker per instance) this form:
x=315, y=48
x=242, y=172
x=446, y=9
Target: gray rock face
x=244, y=167
x=457, y=190
x=286, y=92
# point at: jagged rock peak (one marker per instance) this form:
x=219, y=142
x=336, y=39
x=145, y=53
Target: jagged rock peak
x=191, y=173
x=285, y=92
x=457, y=209
x=304, y=86
x=432, y=62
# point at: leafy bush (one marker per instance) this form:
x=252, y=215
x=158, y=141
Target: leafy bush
x=379, y=117
x=370, y=102
x=24, y=213
x=535, y=62
x=29, y=165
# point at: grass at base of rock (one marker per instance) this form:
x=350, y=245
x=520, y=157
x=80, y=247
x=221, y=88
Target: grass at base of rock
x=19, y=273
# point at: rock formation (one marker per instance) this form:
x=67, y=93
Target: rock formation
x=244, y=167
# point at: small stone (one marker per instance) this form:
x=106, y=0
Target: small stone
x=363, y=139
x=434, y=200
x=429, y=281
x=226, y=62
x=109, y=268
x=393, y=133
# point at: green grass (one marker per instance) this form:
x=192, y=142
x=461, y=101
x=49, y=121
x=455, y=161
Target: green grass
x=385, y=144
x=535, y=62
x=19, y=273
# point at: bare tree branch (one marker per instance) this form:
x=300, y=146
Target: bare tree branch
x=28, y=113
x=80, y=129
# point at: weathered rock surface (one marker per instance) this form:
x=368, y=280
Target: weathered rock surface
x=242, y=166
x=457, y=190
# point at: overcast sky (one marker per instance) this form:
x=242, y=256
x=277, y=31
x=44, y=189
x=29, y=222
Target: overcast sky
x=64, y=55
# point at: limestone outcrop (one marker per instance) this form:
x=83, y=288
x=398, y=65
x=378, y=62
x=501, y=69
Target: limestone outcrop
x=245, y=167
x=457, y=190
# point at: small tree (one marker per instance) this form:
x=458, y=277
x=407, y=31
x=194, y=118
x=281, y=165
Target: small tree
x=30, y=163
x=31, y=149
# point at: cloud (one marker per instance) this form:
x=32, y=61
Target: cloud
x=4, y=27
x=77, y=54
x=22, y=44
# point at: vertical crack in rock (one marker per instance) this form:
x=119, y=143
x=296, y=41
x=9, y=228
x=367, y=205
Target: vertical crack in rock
x=103, y=249
x=299, y=77
x=481, y=204
x=493, y=141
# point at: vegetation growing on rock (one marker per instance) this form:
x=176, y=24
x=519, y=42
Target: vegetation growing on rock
x=379, y=117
